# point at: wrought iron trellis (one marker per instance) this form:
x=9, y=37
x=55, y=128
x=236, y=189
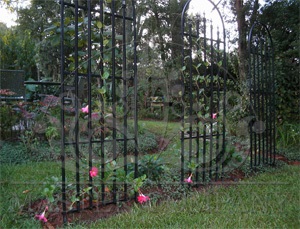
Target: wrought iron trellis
x=203, y=110
x=262, y=95
x=100, y=52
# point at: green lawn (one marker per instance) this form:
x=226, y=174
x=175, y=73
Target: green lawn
x=270, y=200
x=169, y=130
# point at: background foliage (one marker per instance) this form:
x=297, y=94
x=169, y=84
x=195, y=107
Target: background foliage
x=33, y=44
x=282, y=18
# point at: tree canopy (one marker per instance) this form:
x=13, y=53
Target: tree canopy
x=282, y=19
x=33, y=45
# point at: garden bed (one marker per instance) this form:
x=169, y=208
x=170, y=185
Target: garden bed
x=99, y=211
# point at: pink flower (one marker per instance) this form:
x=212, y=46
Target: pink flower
x=214, y=115
x=42, y=217
x=142, y=198
x=189, y=179
x=85, y=109
x=93, y=172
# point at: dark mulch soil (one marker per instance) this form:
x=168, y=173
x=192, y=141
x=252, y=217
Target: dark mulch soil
x=86, y=214
x=282, y=158
x=99, y=211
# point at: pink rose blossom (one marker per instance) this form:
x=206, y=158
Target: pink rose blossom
x=142, y=198
x=85, y=109
x=42, y=217
x=214, y=115
x=189, y=179
x=93, y=172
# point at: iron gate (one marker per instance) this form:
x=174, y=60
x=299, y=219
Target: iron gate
x=98, y=56
x=203, y=80
x=262, y=95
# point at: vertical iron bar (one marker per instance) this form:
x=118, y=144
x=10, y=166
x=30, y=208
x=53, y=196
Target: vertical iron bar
x=211, y=101
x=113, y=68
x=272, y=101
x=76, y=107
x=124, y=76
x=190, y=115
x=182, y=95
x=253, y=111
x=102, y=136
x=262, y=98
x=273, y=114
x=136, y=154
x=267, y=104
x=224, y=65
x=218, y=105
x=62, y=115
x=89, y=75
x=205, y=99
x=251, y=85
x=198, y=45
x=251, y=95
x=255, y=91
x=259, y=99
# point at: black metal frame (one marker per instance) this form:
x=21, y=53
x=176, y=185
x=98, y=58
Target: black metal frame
x=203, y=136
x=261, y=82
x=128, y=78
x=197, y=128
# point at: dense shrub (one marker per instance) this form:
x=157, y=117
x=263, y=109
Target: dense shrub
x=12, y=153
x=150, y=165
x=146, y=142
x=18, y=153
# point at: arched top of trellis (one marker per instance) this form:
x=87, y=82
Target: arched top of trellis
x=200, y=10
x=259, y=32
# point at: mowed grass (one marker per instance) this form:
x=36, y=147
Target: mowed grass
x=270, y=200
x=165, y=129
x=22, y=184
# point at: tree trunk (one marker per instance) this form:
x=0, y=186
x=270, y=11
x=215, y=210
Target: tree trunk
x=242, y=42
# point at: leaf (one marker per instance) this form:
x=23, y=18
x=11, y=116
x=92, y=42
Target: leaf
x=74, y=199
x=105, y=42
x=87, y=189
x=99, y=24
x=102, y=90
x=51, y=199
x=105, y=75
x=50, y=28
x=55, y=40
